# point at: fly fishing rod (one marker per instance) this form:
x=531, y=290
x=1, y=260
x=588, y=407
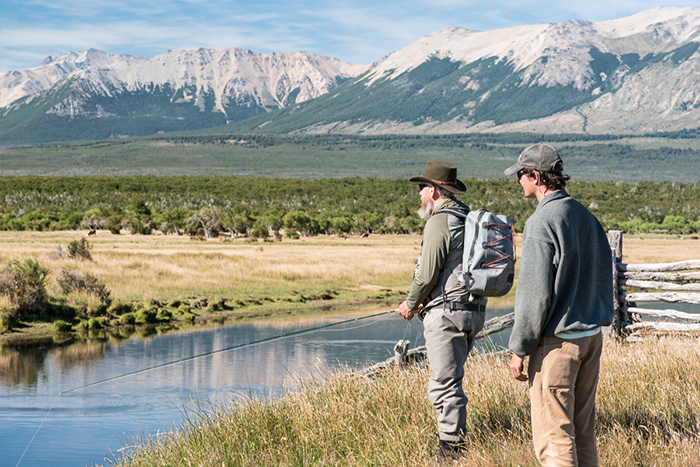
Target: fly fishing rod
x=194, y=357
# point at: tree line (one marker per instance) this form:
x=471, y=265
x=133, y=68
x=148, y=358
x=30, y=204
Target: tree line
x=272, y=207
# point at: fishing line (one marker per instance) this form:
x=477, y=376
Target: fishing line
x=37, y=430
x=194, y=357
x=357, y=327
x=233, y=347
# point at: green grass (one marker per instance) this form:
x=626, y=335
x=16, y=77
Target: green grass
x=648, y=415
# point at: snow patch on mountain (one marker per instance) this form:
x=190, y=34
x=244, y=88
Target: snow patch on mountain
x=565, y=45
x=227, y=73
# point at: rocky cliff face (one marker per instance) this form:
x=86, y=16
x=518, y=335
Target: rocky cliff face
x=229, y=77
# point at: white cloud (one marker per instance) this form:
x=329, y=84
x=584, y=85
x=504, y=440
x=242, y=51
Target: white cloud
x=351, y=30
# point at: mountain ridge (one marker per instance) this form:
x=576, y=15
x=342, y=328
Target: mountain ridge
x=633, y=75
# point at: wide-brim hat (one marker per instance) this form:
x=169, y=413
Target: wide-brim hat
x=540, y=156
x=442, y=174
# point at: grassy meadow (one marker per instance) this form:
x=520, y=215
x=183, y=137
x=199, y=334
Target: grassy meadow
x=480, y=156
x=649, y=397
x=223, y=279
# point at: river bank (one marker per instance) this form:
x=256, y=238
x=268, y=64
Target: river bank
x=159, y=283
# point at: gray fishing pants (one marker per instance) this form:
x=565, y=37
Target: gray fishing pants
x=449, y=336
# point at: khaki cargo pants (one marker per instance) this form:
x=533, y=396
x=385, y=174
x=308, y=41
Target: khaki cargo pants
x=449, y=336
x=563, y=377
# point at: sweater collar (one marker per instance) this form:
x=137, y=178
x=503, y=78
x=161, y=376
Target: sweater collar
x=559, y=194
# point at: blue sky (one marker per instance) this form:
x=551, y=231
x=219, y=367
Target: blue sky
x=350, y=30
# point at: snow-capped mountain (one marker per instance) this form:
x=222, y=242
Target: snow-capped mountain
x=639, y=74
x=632, y=75
x=200, y=87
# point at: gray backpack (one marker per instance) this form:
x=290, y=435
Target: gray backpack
x=488, y=261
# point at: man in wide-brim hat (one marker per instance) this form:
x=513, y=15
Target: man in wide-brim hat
x=451, y=316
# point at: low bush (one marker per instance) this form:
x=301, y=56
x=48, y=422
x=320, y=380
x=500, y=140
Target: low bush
x=127, y=319
x=164, y=315
x=119, y=308
x=80, y=249
x=62, y=326
x=145, y=316
x=25, y=284
x=97, y=323
x=73, y=280
x=6, y=322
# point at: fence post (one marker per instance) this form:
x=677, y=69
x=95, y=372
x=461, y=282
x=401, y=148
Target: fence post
x=615, y=241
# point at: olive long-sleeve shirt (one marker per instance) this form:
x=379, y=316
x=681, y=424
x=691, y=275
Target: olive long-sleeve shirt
x=440, y=261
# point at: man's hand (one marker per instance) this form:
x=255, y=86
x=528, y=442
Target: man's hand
x=405, y=311
x=516, y=367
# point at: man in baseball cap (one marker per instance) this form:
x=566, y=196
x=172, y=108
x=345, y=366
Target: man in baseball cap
x=563, y=298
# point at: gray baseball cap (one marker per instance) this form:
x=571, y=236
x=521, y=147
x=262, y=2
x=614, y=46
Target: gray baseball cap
x=540, y=156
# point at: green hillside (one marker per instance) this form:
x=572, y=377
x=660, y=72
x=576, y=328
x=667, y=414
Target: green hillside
x=144, y=112
x=674, y=158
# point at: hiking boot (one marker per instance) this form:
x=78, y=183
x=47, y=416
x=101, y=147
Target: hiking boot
x=447, y=452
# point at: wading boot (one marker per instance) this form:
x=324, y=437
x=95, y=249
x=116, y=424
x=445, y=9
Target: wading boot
x=447, y=452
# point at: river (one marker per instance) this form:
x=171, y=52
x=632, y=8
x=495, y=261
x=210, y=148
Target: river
x=48, y=417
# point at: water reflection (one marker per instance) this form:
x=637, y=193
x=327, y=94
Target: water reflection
x=21, y=367
x=85, y=424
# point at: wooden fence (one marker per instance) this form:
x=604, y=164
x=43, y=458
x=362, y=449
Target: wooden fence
x=679, y=281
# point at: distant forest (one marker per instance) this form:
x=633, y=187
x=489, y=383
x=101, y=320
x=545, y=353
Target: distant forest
x=267, y=208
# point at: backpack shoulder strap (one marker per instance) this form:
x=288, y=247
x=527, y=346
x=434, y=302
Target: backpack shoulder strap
x=454, y=212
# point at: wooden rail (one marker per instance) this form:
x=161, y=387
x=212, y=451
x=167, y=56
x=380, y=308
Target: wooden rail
x=404, y=356
x=676, y=282
x=669, y=282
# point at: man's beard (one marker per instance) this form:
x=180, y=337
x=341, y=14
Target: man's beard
x=426, y=210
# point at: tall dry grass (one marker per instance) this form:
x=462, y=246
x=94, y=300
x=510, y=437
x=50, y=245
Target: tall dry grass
x=166, y=267
x=648, y=415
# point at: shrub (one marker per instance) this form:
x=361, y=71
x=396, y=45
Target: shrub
x=6, y=322
x=71, y=280
x=120, y=308
x=127, y=318
x=145, y=316
x=96, y=323
x=25, y=284
x=80, y=249
x=62, y=326
x=114, y=224
x=164, y=315
x=189, y=316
